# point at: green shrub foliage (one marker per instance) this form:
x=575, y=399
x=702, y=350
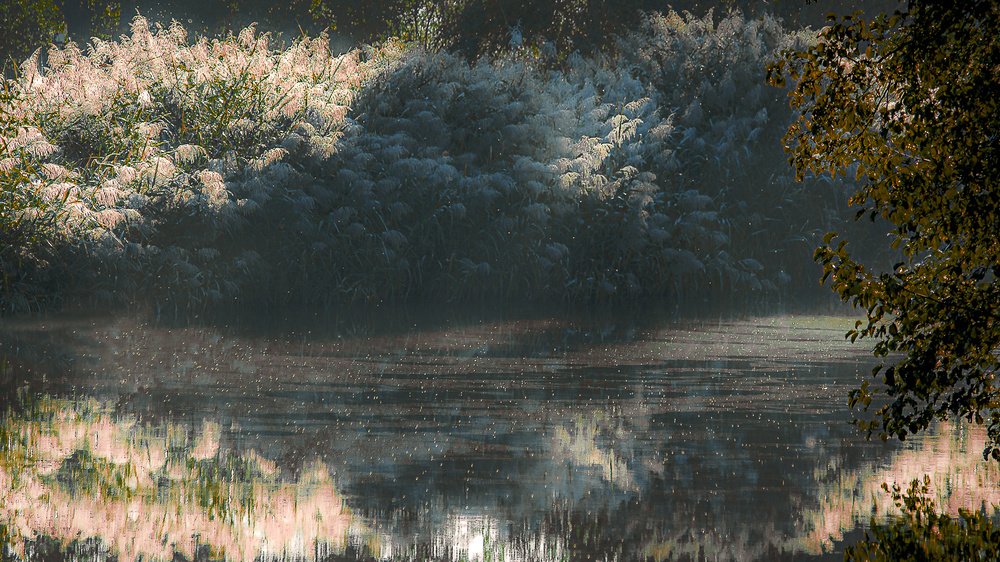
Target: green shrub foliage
x=207, y=173
x=476, y=28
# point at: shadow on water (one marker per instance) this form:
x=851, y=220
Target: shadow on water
x=516, y=438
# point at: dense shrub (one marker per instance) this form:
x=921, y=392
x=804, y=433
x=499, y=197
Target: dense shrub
x=130, y=143
x=476, y=28
x=471, y=27
x=199, y=174
x=726, y=142
x=30, y=264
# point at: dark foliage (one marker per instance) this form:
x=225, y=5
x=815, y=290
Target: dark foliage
x=26, y=25
x=910, y=104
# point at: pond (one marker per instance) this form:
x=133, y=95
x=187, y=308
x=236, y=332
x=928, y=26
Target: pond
x=527, y=439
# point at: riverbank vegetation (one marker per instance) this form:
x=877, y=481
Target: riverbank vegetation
x=906, y=103
x=192, y=174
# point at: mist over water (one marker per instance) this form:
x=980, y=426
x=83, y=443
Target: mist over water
x=539, y=439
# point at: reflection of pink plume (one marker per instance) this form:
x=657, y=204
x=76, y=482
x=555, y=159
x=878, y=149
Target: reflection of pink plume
x=207, y=445
x=142, y=506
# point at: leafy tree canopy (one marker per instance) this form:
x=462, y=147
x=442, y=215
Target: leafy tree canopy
x=908, y=104
x=24, y=25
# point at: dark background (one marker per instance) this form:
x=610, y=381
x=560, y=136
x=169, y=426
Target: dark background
x=472, y=27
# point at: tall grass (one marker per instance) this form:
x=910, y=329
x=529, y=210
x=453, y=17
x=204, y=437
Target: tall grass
x=200, y=174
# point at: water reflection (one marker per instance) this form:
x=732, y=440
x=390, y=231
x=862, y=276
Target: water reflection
x=76, y=469
x=951, y=455
x=530, y=440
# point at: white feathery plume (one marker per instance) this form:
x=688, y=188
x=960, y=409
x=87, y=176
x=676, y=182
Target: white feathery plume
x=457, y=211
x=188, y=154
x=110, y=218
x=144, y=99
x=57, y=172
x=394, y=239
x=398, y=210
x=125, y=175
x=60, y=191
x=132, y=216
x=355, y=230
x=207, y=254
x=157, y=171
x=537, y=212
x=108, y=194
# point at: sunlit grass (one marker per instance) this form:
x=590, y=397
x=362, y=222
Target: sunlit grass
x=131, y=154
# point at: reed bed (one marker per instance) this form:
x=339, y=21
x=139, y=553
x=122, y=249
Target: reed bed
x=195, y=174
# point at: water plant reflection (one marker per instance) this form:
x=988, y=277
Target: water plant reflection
x=74, y=469
x=950, y=457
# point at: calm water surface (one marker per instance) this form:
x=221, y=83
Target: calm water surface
x=517, y=440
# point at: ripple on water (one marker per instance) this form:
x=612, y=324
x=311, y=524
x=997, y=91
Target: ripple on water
x=534, y=439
